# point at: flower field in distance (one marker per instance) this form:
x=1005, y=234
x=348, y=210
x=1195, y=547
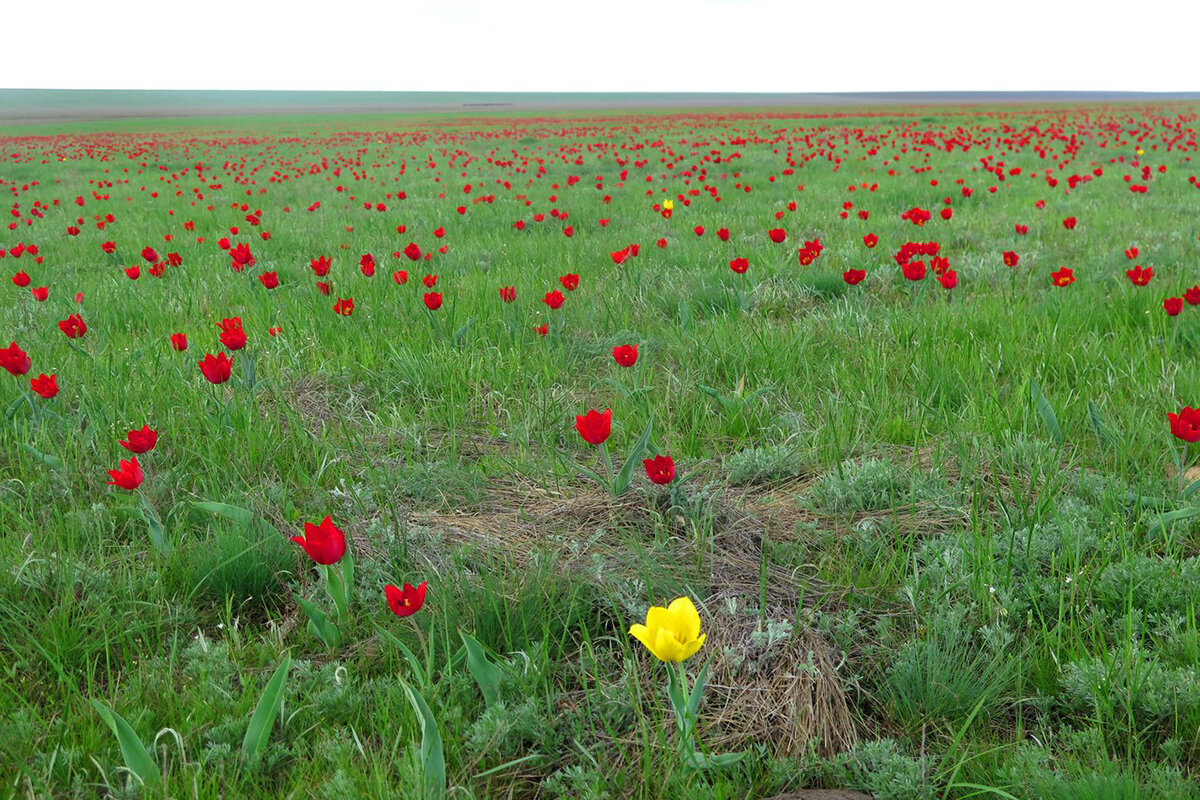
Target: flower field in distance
x=340, y=456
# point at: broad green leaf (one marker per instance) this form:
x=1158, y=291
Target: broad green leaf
x=632, y=460
x=263, y=719
x=54, y=462
x=320, y=625
x=685, y=316
x=414, y=663
x=1046, y=411
x=433, y=760
x=461, y=332
x=137, y=758
x=485, y=673
x=1190, y=490
x=1175, y=516
x=237, y=514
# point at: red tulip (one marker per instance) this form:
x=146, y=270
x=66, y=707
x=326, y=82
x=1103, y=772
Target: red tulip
x=242, y=257
x=407, y=601
x=367, y=264
x=620, y=256
x=1173, y=305
x=140, y=441
x=723, y=234
x=324, y=288
x=133, y=273
x=854, y=276
x=320, y=266
x=739, y=265
x=216, y=369
x=232, y=335
x=1022, y=229
x=269, y=279
x=660, y=469
x=41, y=293
x=1192, y=296
x=594, y=427
x=1131, y=253
x=21, y=279
x=1186, y=424
x=430, y=281
x=777, y=235
x=109, y=247
x=570, y=281
x=554, y=299
x=433, y=300
x=541, y=330
x=1140, y=276
x=324, y=543
x=412, y=251
x=179, y=341
x=344, y=306
x=1069, y=223
x=508, y=293
x=150, y=254
x=914, y=270
x=625, y=354
x=870, y=240
x=45, y=385
x=948, y=279
x=1063, y=277
x=14, y=359
x=1011, y=258
x=128, y=476
x=73, y=326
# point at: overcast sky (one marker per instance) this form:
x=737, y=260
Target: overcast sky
x=601, y=45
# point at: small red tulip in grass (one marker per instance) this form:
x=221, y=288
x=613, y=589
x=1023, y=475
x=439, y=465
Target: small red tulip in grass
x=407, y=600
x=660, y=469
x=128, y=476
x=625, y=354
x=216, y=369
x=1186, y=424
x=45, y=385
x=325, y=543
x=1173, y=305
x=14, y=359
x=1063, y=277
x=140, y=441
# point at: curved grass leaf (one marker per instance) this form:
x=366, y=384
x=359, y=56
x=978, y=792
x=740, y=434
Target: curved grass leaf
x=1175, y=516
x=237, y=514
x=263, y=719
x=485, y=673
x=621, y=483
x=1046, y=411
x=433, y=759
x=137, y=758
x=320, y=625
x=414, y=663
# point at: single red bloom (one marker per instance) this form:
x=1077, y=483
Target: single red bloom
x=218, y=369
x=400, y=276
x=150, y=254
x=948, y=279
x=269, y=279
x=1069, y=223
x=140, y=441
x=914, y=270
x=320, y=266
x=508, y=293
x=232, y=334
x=1131, y=253
x=128, y=476
x=807, y=257
x=739, y=265
x=174, y=259
x=554, y=299
x=1064, y=277
x=947, y=213
x=1140, y=276
x=661, y=243
x=1022, y=229
x=45, y=385
x=660, y=469
x=1173, y=305
x=1011, y=258
x=541, y=330
x=440, y=232
x=242, y=257
x=275, y=331
x=620, y=256
x=73, y=326
x=109, y=247
x=324, y=543
x=344, y=306
x=433, y=300
x=570, y=281
x=430, y=281
x=179, y=341
x=21, y=279
x=133, y=273
x=777, y=235
x=870, y=240
x=699, y=230
x=407, y=601
x=1192, y=296
x=14, y=359
x=1186, y=424
x=594, y=427
x=41, y=293
x=625, y=354
x=367, y=264
x=412, y=251
x=723, y=234
x=854, y=276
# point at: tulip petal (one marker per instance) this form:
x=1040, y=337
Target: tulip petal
x=685, y=618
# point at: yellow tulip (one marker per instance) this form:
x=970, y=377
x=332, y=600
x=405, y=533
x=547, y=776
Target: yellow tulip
x=668, y=205
x=671, y=633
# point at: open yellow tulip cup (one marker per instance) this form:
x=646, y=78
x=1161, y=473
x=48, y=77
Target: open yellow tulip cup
x=672, y=635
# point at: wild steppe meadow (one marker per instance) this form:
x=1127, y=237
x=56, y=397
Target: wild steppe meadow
x=616, y=455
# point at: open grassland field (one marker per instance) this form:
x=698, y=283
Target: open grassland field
x=943, y=538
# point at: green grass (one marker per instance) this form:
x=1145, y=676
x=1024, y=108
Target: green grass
x=869, y=474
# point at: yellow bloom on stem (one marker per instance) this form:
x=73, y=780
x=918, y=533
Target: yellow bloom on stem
x=671, y=633
x=668, y=205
